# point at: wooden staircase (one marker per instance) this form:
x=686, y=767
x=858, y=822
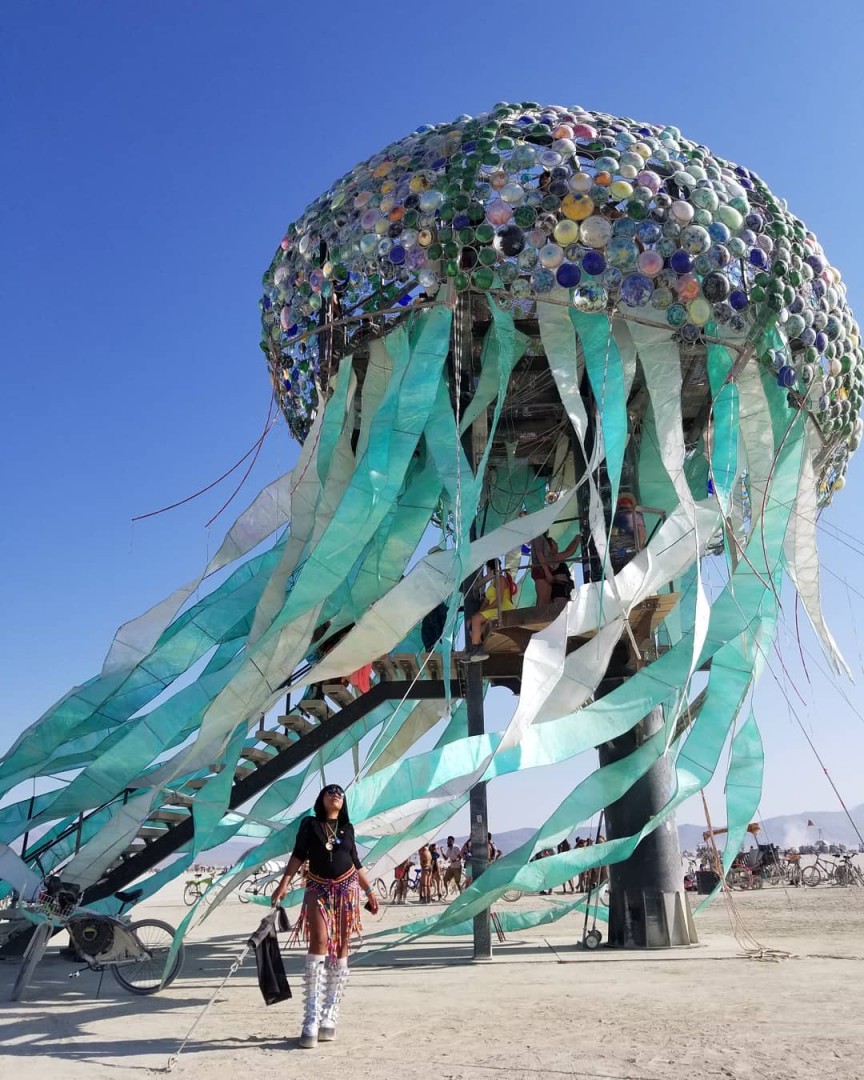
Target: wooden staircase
x=268, y=755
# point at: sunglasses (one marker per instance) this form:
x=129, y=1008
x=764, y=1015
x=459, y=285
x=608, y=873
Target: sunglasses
x=334, y=791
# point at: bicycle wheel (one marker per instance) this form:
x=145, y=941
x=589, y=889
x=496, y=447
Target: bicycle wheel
x=145, y=976
x=32, y=955
x=268, y=887
x=811, y=876
x=604, y=894
x=190, y=894
x=738, y=879
x=511, y=895
x=380, y=886
x=244, y=890
x=394, y=892
x=842, y=875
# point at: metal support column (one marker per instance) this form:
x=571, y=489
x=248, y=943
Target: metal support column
x=479, y=814
x=461, y=374
x=648, y=907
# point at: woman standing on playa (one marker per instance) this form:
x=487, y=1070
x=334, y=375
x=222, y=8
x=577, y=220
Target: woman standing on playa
x=331, y=908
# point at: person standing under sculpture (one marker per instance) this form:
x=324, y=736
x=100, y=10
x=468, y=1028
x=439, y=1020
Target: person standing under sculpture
x=437, y=861
x=425, y=874
x=331, y=908
x=453, y=855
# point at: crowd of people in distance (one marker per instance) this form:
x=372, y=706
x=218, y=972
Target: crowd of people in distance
x=439, y=868
x=588, y=879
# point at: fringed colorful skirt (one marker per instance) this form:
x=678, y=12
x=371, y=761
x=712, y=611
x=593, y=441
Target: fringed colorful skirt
x=338, y=900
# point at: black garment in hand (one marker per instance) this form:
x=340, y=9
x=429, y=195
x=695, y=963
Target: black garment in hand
x=268, y=958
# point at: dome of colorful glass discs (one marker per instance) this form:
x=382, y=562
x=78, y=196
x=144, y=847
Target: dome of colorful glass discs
x=526, y=201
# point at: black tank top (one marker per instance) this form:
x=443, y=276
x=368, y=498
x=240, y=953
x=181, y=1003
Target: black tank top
x=311, y=843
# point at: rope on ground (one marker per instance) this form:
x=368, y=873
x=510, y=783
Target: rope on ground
x=749, y=944
x=172, y=1060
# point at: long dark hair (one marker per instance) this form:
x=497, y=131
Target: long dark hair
x=321, y=814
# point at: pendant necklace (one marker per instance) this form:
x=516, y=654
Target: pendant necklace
x=331, y=836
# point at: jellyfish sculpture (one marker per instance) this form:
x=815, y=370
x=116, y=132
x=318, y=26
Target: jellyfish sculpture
x=542, y=321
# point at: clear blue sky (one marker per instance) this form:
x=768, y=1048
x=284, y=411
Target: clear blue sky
x=153, y=155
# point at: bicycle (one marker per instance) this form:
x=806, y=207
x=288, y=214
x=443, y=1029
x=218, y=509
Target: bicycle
x=847, y=873
x=258, y=885
x=814, y=874
x=196, y=888
x=790, y=866
x=412, y=883
x=135, y=952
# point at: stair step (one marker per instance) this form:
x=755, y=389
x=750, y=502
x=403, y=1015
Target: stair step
x=434, y=662
x=133, y=849
x=386, y=670
x=172, y=817
x=339, y=693
x=432, y=665
x=197, y=784
x=275, y=739
x=177, y=798
x=242, y=771
x=257, y=754
x=407, y=664
x=150, y=832
x=316, y=707
x=299, y=724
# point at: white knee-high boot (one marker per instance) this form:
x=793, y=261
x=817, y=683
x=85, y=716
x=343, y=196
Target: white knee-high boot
x=337, y=979
x=313, y=974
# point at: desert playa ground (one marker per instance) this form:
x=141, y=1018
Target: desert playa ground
x=544, y=1007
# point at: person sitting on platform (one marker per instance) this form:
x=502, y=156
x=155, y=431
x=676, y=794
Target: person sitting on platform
x=549, y=568
x=498, y=589
x=562, y=579
x=541, y=568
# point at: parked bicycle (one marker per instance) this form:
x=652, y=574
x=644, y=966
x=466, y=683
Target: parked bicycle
x=411, y=881
x=818, y=872
x=135, y=952
x=847, y=873
x=259, y=884
x=196, y=888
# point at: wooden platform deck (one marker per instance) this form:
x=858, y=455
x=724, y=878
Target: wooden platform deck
x=512, y=632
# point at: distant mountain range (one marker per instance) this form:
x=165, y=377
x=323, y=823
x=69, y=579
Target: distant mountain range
x=793, y=830
x=788, y=830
